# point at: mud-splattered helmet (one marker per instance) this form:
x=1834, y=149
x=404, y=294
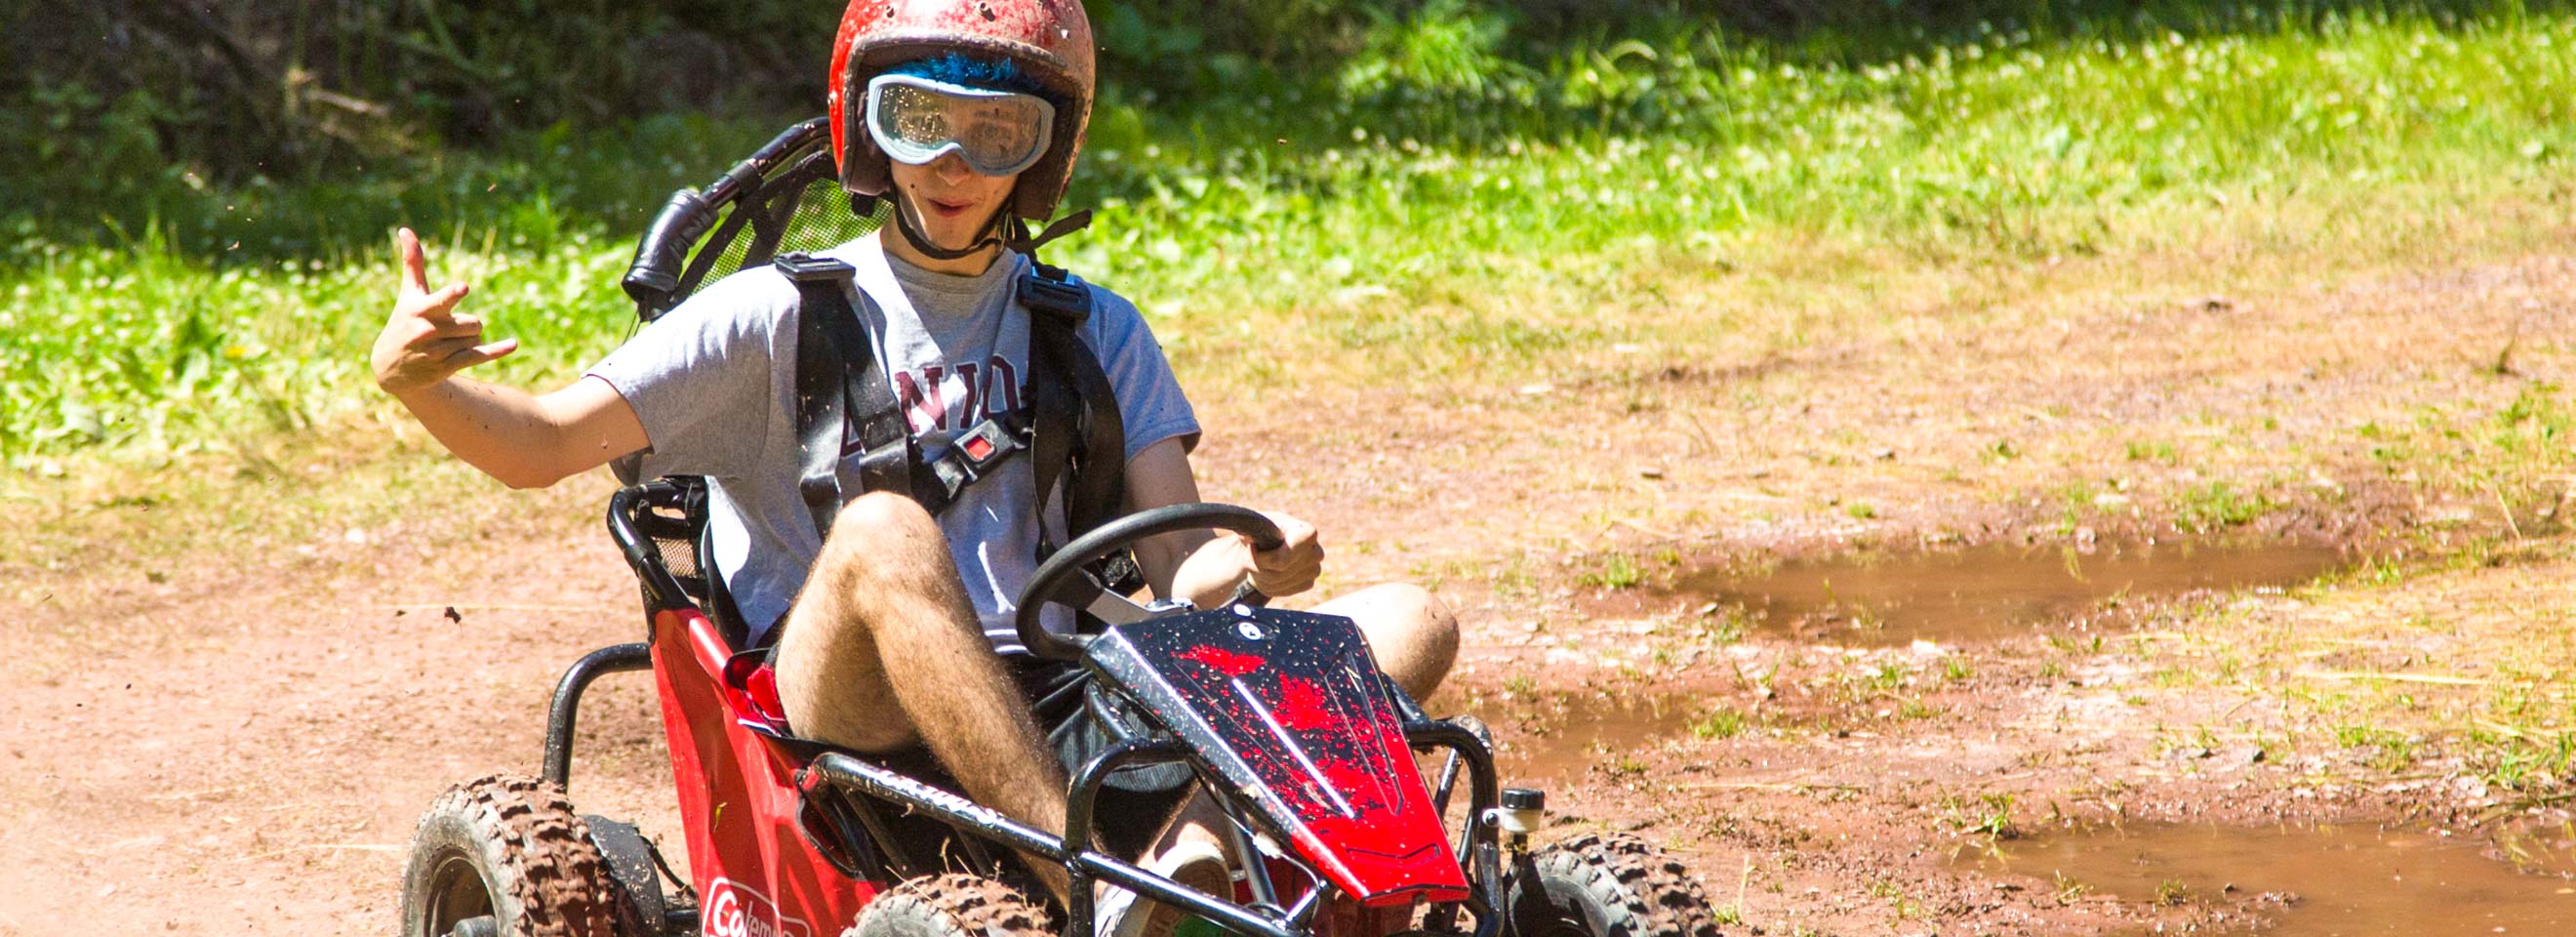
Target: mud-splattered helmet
x=1048, y=40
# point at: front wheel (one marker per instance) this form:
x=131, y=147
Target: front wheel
x=1605, y=886
x=505, y=857
x=952, y=905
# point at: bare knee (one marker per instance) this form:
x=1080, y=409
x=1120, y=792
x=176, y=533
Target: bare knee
x=879, y=536
x=1412, y=633
x=886, y=571
x=880, y=516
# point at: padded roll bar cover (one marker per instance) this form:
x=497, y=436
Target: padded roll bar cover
x=664, y=252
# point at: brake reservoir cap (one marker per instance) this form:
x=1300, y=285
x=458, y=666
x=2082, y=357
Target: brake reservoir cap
x=1522, y=810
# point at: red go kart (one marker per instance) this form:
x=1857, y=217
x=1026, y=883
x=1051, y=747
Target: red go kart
x=1281, y=718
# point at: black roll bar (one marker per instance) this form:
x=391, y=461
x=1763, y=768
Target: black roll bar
x=1483, y=862
x=659, y=584
x=663, y=253
x=615, y=658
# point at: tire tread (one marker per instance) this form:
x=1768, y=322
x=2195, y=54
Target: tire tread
x=561, y=887
x=952, y=905
x=1659, y=896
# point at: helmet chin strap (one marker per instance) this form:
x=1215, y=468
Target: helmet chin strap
x=991, y=235
x=1008, y=232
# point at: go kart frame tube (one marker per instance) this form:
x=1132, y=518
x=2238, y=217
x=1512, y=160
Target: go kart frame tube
x=1483, y=860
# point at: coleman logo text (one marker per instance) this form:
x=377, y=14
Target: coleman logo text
x=735, y=911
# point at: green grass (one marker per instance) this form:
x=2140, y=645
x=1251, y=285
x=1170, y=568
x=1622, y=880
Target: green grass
x=2217, y=506
x=1988, y=815
x=1571, y=208
x=1721, y=723
x=1618, y=571
x=2512, y=457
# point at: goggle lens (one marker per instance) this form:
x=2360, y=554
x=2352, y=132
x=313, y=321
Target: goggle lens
x=917, y=120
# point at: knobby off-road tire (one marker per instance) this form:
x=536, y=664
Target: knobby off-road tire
x=506, y=856
x=1606, y=886
x=952, y=905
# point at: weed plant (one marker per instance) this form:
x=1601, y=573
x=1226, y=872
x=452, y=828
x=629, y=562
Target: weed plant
x=1432, y=213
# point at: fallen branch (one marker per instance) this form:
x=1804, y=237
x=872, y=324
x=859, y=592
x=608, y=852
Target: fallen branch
x=1643, y=529
x=1782, y=786
x=2501, y=811
x=314, y=847
x=2352, y=675
x=192, y=795
x=499, y=607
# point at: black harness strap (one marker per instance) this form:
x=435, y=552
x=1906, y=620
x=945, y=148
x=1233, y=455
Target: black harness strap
x=937, y=482
x=1080, y=437
x=1072, y=429
x=837, y=375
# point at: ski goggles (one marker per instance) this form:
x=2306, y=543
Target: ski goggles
x=916, y=120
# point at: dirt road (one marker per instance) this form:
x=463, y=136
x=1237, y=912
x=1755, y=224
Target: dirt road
x=227, y=702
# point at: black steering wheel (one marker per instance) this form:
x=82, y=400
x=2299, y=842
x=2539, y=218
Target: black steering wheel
x=1057, y=579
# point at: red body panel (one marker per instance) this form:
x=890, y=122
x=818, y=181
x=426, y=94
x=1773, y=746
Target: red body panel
x=755, y=873
x=1288, y=708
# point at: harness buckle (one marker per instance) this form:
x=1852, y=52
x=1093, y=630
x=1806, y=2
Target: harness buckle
x=985, y=445
x=1056, y=295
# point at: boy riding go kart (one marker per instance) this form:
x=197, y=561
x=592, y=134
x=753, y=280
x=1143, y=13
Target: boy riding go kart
x=902, y=488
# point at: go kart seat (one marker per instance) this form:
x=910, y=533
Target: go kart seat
x=667, y=521
x=671, y=515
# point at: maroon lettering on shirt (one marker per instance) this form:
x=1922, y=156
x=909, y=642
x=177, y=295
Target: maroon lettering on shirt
x=979, y=393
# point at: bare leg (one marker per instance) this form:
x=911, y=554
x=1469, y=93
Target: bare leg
x=885, y=589
x=1412, y=635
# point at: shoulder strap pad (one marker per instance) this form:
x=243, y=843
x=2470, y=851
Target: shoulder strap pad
x=1055, y=292
x=804, y=268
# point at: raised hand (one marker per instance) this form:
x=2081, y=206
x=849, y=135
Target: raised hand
x=426, y=341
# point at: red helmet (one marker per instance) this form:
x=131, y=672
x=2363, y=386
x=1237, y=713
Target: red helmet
x=1050, y=40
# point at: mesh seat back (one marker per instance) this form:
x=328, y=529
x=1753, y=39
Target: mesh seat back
x=662, y=527
x=785, y=197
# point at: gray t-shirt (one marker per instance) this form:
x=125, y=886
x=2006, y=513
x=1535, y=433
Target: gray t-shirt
x=714, y=382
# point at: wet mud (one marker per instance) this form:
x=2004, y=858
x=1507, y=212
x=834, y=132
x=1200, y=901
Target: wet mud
x=2346, y=880
x=1559, y=740
x=1984, y=593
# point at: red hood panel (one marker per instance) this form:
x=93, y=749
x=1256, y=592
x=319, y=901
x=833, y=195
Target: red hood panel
x=1290, y=709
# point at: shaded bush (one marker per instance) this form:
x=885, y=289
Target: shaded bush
x=242, y=88
x=105, y=101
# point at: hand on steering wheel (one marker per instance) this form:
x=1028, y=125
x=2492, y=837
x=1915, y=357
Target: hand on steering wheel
x=1289, y=567
x=1060, y=578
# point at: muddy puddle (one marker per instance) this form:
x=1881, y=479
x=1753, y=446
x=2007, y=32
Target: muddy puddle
x=1988, y=592
x=2326, y=881
x=1551, y=741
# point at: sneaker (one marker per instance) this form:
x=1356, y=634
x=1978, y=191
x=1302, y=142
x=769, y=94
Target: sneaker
x=1199, y=866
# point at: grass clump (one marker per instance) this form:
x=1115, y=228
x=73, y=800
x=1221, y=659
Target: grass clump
x=1618, y=571
x=1987, y=815
x=1720, y=723
x=2217, y=506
